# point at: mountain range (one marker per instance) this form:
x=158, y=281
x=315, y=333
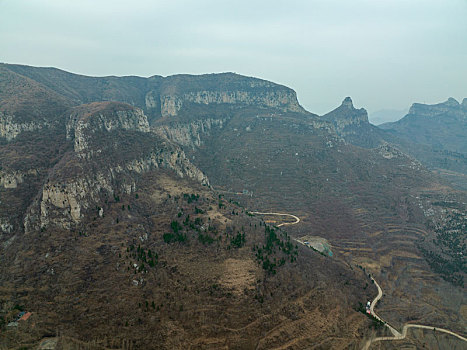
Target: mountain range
x=129, y=215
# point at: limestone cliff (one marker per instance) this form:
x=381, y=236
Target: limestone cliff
x=86, y=120
x=11, y=179
x=64, y=200
x=226, y=88
x=98, y=168
x=190, y=134
x=157, y=96
x=10, y=128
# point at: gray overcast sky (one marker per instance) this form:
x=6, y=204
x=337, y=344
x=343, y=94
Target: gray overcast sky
x=382, y=53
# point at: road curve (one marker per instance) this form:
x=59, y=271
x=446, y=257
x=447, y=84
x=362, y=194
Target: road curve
x=297, y=219
x=396, y=334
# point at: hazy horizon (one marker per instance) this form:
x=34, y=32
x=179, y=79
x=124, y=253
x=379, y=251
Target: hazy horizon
x=385, y=54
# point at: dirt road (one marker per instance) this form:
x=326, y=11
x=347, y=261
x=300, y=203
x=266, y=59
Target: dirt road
x=297, y=219
x=396, y=334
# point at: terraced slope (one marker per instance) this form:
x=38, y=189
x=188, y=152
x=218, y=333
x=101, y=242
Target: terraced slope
x=116, y=209
x=373, y=205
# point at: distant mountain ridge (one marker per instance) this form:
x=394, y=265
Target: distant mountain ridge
x=442, y=126
x=161, y=96
x=436, y=135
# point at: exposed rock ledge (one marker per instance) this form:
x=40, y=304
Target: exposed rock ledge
x=5, y=226
x=10, y=129
x=190, y=134
x=65, y=201
x=85, y=120
x=285, y=100
x=13, y=179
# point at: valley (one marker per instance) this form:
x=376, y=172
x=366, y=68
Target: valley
x=214, y=212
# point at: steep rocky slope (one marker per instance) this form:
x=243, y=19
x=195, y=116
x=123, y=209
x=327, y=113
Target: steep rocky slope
x=26, y=105
x=352, y=125
x=111, y=143
x=436, y=135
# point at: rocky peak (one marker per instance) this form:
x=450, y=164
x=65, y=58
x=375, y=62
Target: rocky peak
x=352, y=125
x=347, y=103
x=346, y=113
x=464, y=103
x=451, y=104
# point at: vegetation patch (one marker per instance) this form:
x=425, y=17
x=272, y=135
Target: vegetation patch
x=276, y=250
x=447, y=257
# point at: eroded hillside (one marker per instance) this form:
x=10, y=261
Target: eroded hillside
x=127, y=218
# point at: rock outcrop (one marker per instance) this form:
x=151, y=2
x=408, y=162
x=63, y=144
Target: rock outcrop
x=88, y=119
x=66, y=200
x=11, y=179
x=352, y=125
x=190, y=134
x=346, y=114
x=228, y=89
x=449, y=106
x=5, y=226
x=97, y=169
x=10, y=128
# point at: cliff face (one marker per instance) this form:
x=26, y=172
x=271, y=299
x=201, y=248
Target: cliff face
x=190, y=134
x=99, y=168
x=85, y=121
x=158, y=96
x=64, y=201
x=10, y=128
x=283, y=99
x=26, y=105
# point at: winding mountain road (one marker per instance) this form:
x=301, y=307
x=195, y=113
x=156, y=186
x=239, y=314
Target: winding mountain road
x=297, y=219
x=396, y=334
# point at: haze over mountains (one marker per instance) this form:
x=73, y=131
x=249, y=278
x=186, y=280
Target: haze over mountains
x=386, y=116
x=126, y=214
